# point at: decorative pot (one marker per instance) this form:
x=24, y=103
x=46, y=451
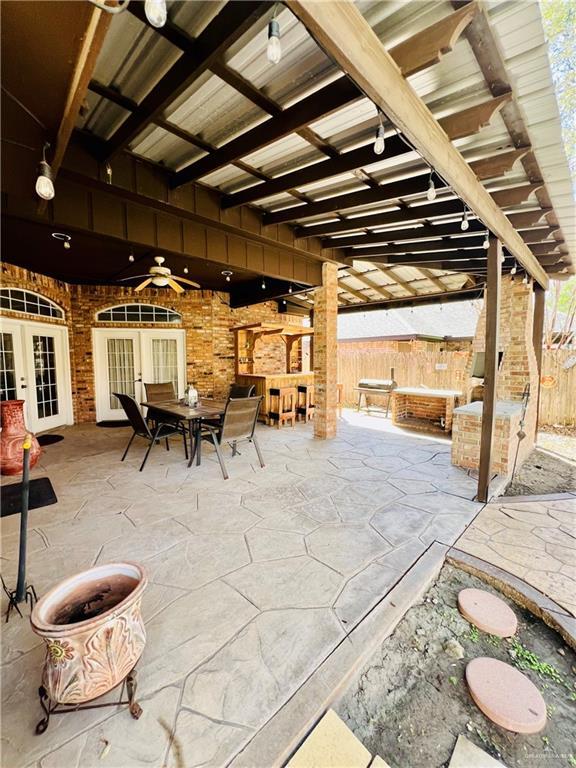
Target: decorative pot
x=12, y=436
x=93, y=630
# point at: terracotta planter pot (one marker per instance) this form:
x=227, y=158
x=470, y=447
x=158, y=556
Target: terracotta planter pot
x=12, y=436
x=93, y=630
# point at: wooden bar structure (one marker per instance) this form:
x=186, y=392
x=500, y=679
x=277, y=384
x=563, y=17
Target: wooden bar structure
x=245, y=339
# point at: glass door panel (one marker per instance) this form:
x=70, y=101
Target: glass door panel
x=7, y=368
x=45, y=376
x=121, y=370
x=165, y=362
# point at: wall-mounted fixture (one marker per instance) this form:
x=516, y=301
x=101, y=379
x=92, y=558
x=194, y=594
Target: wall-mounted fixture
x=44, y=182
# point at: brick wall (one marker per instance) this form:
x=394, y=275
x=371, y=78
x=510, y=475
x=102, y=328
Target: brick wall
x=433, y=410
x=518, y=368
x=206, y=318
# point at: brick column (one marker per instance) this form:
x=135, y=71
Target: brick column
x=325, y=353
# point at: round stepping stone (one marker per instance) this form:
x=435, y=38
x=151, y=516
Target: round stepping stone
x=487, y=612
x=506, y=696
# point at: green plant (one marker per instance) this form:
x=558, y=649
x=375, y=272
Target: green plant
x=474, y=634
x=525, y=659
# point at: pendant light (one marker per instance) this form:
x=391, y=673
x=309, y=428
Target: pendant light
x=227, y=274
x=274, y=49
x=44, y=183
x=379, y=142
x=514, y=269
x=263, y=286
x=465, y=224
x=486, y=243
x=156, y=12
x=185, y=270
x=431, y=194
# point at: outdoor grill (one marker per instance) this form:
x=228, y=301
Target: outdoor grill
x=371, y=387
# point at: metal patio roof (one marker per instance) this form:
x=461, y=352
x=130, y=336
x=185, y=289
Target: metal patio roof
x=239, y=93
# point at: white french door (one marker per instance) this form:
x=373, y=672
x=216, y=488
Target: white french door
x=124, y=360
x=35, y=367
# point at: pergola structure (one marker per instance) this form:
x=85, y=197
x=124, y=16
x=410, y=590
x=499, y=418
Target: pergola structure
x=185, y=140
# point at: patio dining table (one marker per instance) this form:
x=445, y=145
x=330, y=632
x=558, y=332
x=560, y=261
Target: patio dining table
x=177, y=409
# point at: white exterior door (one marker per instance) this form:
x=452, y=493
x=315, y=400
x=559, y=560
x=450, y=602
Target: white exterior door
x=35, y=367
x=126, y=359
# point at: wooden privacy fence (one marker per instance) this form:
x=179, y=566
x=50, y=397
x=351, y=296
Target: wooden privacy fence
x=447, y=370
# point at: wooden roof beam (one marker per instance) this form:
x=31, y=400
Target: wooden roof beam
x=527, y=219
x=481, y=169
x=418, y=258
x=443, y=245
x=225, y=29
x=457, y=125
x=361, y=277
x=346, y=36
x=92, y=41
x=417, y=53
x=446, y=297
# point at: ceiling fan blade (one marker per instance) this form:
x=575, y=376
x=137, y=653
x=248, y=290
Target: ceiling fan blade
x=174, y=285
x=143, y=285
x=132, y=277
x=185, y=280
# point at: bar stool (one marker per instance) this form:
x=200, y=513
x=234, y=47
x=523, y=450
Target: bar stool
x=284, y=409
x=305, y=406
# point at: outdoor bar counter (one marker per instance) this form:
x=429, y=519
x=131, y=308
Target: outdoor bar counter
x=265, y=382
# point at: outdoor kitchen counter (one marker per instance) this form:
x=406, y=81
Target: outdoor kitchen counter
x=422, y=408
x=265, y=382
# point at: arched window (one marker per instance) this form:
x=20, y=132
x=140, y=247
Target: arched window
x=19, y=300
x=138, y=313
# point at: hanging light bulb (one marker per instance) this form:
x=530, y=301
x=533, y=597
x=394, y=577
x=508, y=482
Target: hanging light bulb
x=44, y=183
x=486, y=243
x=156, y=13
x=67, y=245
x=227, y=274
x=290, y=288
x=131, y=257
x=379, y=142
x=263, y=284
x=464, y=225
x=274, y=50
x=431, y=194
x=525, y=279
x=514, y=269
x=185, y=270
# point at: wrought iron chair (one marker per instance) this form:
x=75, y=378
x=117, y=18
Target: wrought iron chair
x=238, y=425
x=162, y=431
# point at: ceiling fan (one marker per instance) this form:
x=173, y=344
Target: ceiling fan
x=160, y=277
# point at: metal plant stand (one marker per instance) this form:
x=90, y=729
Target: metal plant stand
x=23, y=592
x=53, y=708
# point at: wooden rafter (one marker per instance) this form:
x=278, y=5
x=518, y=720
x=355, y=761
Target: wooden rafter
x=474, y=292
x=413, y=55
x=420, y=258
x=418, y=184
x=464, y=123
x=346, y=36
x=227, y=27
x=363, y=278
x=443, y=245
x=85, y=63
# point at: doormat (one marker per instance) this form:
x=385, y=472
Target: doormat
x=41, y=495
x=113, y=424
x=49, y=439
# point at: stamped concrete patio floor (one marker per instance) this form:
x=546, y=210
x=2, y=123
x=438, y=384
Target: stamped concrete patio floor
x=253, y=581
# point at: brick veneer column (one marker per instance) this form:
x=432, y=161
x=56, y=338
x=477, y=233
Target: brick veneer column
x=325, y=353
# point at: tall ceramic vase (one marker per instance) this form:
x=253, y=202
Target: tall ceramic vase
x=93, y=631
x=12, y=436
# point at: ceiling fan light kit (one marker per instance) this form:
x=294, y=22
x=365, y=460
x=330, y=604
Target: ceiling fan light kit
x=160, y=277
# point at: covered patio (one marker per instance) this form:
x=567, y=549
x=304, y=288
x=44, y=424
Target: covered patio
x=253, y=581
x=204, y=211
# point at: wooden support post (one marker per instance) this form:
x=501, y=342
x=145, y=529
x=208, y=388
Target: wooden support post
x=492, y=299
x=538, y=340
x=325, y=353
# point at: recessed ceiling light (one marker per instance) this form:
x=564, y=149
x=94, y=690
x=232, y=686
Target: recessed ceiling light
x=61, y=236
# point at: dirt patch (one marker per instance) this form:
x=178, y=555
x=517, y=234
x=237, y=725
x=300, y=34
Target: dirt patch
x=410, y=702
x=543, y=472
